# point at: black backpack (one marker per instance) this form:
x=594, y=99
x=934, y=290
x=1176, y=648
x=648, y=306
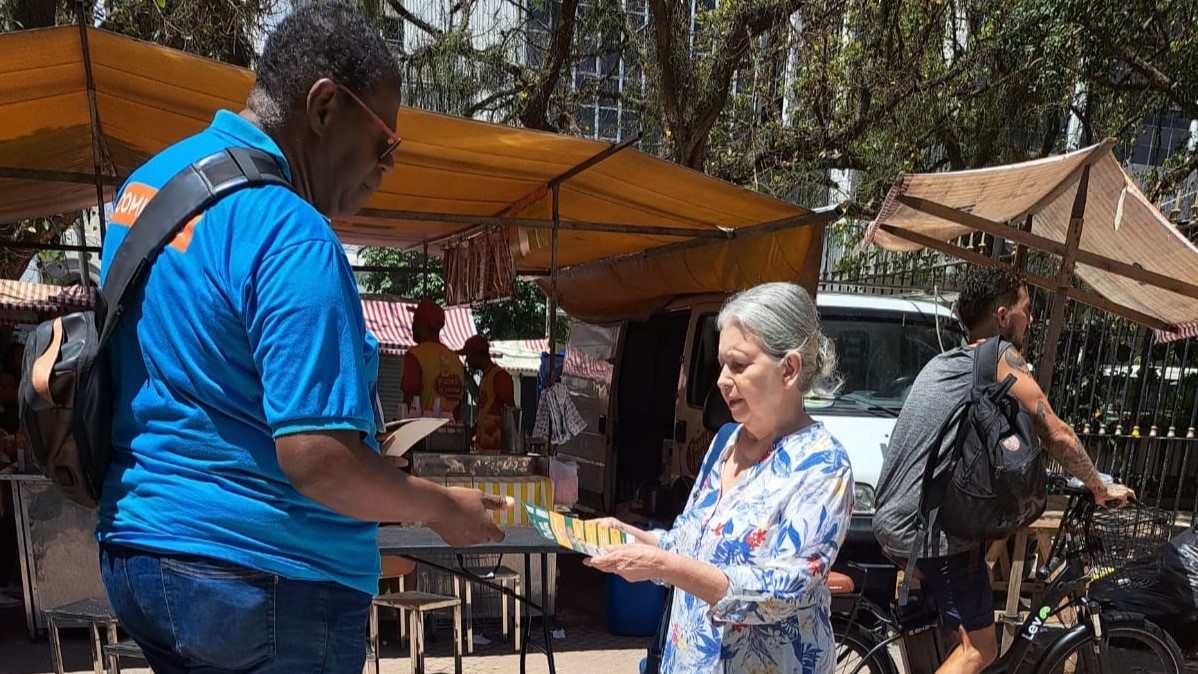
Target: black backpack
x=65, y=393
x=996, y=482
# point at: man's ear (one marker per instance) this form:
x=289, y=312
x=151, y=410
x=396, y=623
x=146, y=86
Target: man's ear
x=322, y=100
x=1000, y=316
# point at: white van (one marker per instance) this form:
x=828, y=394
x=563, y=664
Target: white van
x=641, y=386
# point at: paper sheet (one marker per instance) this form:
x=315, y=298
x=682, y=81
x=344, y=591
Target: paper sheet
x=583, y=536
x=400, y=435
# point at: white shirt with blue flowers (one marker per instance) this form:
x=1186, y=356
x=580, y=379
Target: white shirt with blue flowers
x=774, y=534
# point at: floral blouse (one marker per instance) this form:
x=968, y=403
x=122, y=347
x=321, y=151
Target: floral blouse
x=774, y=534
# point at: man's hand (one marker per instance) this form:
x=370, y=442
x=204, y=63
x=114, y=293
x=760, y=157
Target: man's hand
x=1113, y=495
x=466, y=518
x=633, y=563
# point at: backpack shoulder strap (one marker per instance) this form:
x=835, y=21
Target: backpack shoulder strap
x=985, y=362
x=189, y=192
x=929, y=496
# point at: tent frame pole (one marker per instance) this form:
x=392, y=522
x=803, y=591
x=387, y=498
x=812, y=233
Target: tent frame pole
x=537, y=223
x=1046, y=245
x=97, y=135
x=1078, y=294
x=1064, y=282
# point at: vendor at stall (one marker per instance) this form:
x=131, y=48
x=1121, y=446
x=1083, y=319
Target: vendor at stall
x=495, y=390
x=431, y=371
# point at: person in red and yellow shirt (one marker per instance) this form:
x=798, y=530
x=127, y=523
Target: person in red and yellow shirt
x=430, y=369
x=495, y=390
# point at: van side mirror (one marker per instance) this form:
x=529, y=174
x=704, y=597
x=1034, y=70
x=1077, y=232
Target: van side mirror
x=680, y=431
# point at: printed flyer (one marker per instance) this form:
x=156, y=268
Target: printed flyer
x=582, y=536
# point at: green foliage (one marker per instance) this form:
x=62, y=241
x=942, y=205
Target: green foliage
x=224, y=31
x=520, y=317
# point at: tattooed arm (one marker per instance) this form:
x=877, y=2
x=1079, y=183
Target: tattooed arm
x=1057, y=437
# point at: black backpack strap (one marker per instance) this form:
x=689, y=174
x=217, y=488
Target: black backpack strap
x=985, y=367
x=188, y=193
x=985, y=362
x=930, y=496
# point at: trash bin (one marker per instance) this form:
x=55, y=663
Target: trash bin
x=633, y=609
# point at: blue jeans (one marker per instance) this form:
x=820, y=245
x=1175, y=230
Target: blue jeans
x=197, y=615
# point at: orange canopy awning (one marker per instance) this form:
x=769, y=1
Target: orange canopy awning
x=449, y=173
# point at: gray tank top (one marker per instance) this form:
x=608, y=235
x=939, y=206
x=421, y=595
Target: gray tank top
x=941, y=386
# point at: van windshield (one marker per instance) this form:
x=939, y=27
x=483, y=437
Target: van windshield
x=880, y=354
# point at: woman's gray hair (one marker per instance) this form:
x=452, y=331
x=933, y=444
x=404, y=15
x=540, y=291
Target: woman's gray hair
x=782, y=318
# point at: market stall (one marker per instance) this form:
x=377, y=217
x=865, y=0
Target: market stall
x=606, y=230
x=1111, y=247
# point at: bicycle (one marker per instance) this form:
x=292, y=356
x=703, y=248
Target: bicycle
x=1092, y=546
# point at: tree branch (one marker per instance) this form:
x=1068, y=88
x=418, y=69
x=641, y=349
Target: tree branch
x=664, y=17
x=1157, y=79
x=414, y=20
x=534, y=115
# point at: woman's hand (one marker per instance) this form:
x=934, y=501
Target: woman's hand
x=638, y=535
x=633, y=563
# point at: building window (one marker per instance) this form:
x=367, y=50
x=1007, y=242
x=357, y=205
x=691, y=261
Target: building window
x=1159, y=136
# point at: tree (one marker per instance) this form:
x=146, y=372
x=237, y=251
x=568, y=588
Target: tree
x=224, y=31
x=512, y=70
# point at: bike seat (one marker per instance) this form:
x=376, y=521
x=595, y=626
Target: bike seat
x=839, y=583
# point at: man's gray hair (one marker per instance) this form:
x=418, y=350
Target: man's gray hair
x=781, y=318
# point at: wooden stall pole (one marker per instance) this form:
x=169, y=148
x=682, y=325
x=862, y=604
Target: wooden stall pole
x=1021, y=250
x=1064, y=282
x=97, y=138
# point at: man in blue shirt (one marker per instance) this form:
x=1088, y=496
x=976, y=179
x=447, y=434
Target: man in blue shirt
x=238, y=520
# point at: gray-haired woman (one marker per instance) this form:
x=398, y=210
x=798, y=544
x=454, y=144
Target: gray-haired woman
x=750, y=553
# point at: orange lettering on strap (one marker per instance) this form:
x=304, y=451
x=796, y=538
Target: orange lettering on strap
x=183, y=239
x=132, y=202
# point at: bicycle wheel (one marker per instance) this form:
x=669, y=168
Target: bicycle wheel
x=1134, y=646
x=853, y=646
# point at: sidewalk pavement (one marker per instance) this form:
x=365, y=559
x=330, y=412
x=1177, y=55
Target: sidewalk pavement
x=587, y=647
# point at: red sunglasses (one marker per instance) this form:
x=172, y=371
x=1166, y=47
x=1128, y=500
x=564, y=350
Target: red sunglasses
x=392, y=139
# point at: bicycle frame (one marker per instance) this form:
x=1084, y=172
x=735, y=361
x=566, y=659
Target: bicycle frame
x=1069, y=581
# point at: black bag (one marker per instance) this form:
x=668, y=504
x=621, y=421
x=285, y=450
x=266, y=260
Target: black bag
x=1179, y=566
x=65, y=393
x=996, y=482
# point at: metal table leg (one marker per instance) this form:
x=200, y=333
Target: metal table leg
x=23, y=553
x=528, y=625
x=545, y=611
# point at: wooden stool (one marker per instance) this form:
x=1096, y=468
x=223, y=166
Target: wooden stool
x=416, y=604
x=122, y=649
x=502, y=576
x=89, y=613
x=394, y=578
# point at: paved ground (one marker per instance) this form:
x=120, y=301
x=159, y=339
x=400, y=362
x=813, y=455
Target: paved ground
x=587, y=647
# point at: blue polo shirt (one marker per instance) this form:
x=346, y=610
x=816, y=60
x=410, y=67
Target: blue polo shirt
x=251, y=328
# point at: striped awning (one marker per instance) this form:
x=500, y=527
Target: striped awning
x=391, y=324
x=578, y=363
x=28, y=302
